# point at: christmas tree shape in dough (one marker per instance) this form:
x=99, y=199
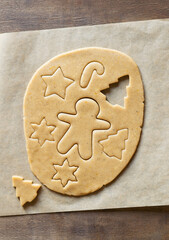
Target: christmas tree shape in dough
x=42, y=132
x=57, y=83
x=65, y=173
x=82, y=125
x=26, y=190
x=114, y=144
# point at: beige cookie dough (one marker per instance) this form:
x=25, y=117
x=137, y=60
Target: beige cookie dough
x=115, y=144
x=26, y=190
x=76, y=140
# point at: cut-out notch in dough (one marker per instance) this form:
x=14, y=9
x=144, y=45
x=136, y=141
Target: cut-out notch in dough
x=117, y=92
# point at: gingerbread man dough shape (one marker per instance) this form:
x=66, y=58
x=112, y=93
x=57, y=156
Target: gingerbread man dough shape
x=81, y=127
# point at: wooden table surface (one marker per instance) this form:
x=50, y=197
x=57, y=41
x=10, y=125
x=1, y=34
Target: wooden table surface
x=137, y=223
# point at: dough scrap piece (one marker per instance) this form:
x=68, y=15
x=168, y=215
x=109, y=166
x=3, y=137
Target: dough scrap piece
x=89, y=131
x=26, y=190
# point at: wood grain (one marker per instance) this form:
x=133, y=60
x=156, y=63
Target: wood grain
x=21, y=15
x=126, y=224
x=135, y=224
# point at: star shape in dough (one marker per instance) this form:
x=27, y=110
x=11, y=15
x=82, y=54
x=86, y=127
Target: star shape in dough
x=42, y=132
x=56, y=83
x=65, y=173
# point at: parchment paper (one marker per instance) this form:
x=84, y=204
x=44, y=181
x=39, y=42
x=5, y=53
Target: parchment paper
x=145, y=182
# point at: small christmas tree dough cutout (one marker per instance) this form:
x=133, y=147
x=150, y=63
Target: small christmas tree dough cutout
x=81, y=127
x=57, y=84
x=26, y=190
x=42, y=132
x=65, y=173
x=115, y=144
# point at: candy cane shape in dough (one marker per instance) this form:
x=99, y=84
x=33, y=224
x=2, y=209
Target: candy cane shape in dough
x=88, y=71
